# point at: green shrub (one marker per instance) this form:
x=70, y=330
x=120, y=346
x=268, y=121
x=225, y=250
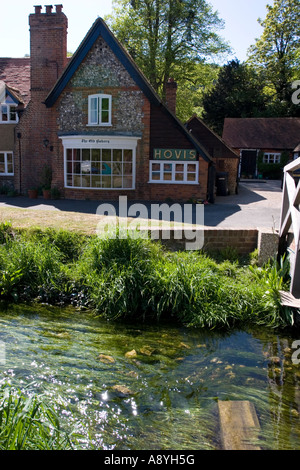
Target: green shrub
x=133, y=278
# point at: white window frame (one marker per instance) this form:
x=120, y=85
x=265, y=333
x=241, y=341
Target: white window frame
x=6, y=173
x=173, y=172
x=100, y=142
x=267, y=157
x=8, y=121
x=98, y=121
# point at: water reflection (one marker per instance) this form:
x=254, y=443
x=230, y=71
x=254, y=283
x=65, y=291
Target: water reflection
x=161, y=396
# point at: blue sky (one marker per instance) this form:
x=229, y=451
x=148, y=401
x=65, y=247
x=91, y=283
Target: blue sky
x=240, y=16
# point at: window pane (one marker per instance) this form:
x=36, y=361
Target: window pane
x=96, y=168
x=117, y=155
x=106, y=181
x=191, y=167
x=155, y=176
x=86, y=154
x=69, y=180
x=106, y=168
x=105, y=117
x=4, y=112
x=105, y=104
x=127, y=168
x=69, y=154
x=13, y=113
x=127, y=182
x=94, y=110
x=96, y=155
x=96, y=181
x=76, y=154
x=2, y=168
x=76, y=168
x=85, y=167
x=179, y=168
x=106, y=155
x=77, y=181
x=117, y=168
x=127, y=156
x=2, y=158
x=117, y=181
x=179, y=177
x=86, y=181
x=191, y=177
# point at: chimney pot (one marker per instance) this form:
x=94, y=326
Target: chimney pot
x=58, y=8
x=48, y=9
x=38, y=9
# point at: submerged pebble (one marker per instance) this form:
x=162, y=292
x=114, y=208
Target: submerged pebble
x=106, y=359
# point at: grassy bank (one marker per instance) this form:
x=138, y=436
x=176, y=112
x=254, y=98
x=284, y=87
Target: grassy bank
x=137, y=279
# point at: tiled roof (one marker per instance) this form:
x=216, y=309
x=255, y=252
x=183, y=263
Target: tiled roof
x=213, y=143
x=262, y=133
x=16, y=74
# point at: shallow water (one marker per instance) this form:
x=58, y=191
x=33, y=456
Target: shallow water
x=161, y=396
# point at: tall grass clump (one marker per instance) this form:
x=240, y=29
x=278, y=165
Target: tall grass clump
x=31, y=269
x=137, y=279
x=29, y=423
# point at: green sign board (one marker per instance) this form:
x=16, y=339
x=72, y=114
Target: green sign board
x=175, y=154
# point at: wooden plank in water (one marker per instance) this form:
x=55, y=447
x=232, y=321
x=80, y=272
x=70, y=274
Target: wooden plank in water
x=239, y=425
x=288, y=300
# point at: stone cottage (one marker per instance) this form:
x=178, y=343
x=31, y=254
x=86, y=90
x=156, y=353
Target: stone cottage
x=97, y=123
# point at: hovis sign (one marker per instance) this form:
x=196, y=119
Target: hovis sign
x=173, y=154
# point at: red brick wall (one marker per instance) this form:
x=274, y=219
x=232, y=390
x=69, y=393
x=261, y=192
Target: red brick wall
x=244, y=241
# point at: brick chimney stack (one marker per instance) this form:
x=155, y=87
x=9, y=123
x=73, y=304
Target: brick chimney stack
x=171, y=92
x=48, y=47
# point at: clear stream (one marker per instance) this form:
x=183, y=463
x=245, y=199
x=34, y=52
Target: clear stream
x=137, y=387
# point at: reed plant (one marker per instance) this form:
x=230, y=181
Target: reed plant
x=29, y=423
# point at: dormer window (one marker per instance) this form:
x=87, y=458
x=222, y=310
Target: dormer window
x=99, y=110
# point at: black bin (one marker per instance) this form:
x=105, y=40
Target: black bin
x=222, y=184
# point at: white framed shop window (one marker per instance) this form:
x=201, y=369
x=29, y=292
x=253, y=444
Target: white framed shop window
x=104, y=163
x=172, y=172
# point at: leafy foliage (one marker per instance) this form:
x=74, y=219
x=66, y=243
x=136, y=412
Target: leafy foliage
x=167, y=38
x=276, y=53
x=238, y=93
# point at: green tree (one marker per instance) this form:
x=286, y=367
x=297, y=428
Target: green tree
x=238, y=92
x=191, y=91
x=277, y=51
x=167, y=38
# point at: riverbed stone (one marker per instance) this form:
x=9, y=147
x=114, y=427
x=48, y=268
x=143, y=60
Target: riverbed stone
x=147, y=350
x=106, y=359
x=122, y=390
x=131, y=354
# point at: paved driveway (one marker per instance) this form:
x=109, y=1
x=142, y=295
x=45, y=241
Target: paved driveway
x=258, y=204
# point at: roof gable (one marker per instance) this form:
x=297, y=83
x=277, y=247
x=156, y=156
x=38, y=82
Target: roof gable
x=262, y=133
x=100, y=29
